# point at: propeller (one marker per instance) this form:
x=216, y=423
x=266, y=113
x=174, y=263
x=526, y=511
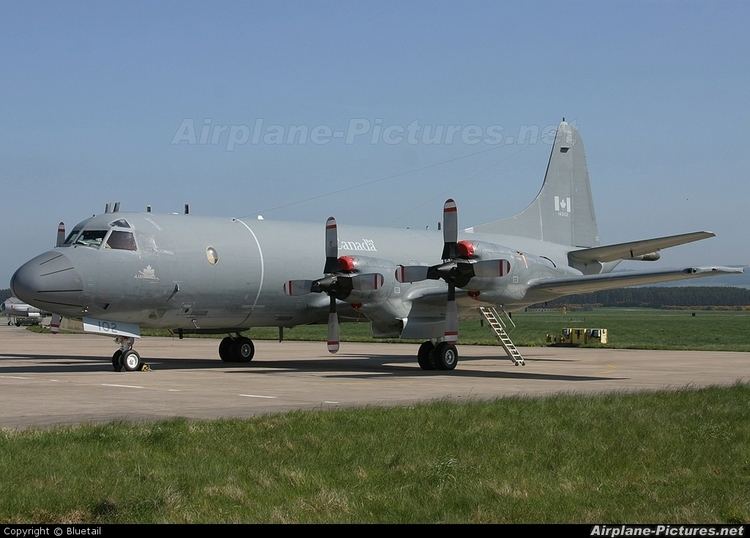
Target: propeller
x=457, y=268
x=338, y=282
x=450, y=251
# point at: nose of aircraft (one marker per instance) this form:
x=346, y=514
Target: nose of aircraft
x=47, y=281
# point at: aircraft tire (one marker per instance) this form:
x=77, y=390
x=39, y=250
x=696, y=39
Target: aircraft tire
x=424, y=356
x=116, y=362
x=18, y=323
x=225, y=349
x=243, y=350
x=445, y=356
x=131, y=361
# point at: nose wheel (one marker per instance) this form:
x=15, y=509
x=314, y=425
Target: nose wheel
x=126, y=358
x=116, y=364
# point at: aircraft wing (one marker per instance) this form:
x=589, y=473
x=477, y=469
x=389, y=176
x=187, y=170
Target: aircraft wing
x=634, y=249
x=590, y=283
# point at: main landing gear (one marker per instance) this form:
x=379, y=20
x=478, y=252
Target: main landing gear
x=126, y=358
x=440, y=356
x=236, y=349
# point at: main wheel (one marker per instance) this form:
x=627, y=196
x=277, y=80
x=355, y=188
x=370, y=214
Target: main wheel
x=243, y=350
x=18, y=323
x=116, y=361
x=445, y=356
x=424, y=356
x=225, y=349
x=131, y=361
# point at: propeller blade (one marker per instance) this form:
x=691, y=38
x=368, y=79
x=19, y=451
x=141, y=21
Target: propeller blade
x=412, y=273
x=54, y=325
x=332, y=246
x=298, y=287
x=333, y=328
x=367, y=282
x=451, y=316
x=60, y=234
x=450, y=229
x=491, y=268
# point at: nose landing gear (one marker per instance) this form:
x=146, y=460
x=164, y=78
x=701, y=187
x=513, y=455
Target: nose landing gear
x=126, y=358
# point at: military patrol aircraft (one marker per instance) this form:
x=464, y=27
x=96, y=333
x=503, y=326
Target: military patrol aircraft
x=119, y=271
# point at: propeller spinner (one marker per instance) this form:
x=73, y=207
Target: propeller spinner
x=456, y=270
x=337, y=282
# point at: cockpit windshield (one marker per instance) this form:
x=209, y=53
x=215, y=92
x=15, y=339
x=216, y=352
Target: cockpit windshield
x=121, y=241
x=72, y=237
x=91, y=238
x=120, y=223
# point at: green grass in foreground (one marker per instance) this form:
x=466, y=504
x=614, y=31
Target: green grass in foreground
x=672, y=456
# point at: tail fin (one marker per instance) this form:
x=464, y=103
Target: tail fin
x=563, y=211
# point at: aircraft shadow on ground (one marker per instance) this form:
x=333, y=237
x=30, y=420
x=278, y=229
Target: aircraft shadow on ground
x=86, y=363
x=377, y=366
x=362, y=366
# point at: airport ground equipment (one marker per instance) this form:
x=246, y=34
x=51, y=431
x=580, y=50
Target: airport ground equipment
x=575, y=336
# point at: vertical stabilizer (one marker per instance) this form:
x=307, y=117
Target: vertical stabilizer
x=563, y=211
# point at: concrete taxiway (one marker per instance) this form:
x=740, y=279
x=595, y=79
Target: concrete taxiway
x=66, y=379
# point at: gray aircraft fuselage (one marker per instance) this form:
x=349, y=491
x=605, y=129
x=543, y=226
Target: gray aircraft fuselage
x=201, y=273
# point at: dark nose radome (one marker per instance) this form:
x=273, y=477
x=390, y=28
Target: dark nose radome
x=50, y=278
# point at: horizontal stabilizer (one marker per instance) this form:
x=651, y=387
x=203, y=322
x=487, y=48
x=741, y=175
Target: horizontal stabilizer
x=633, y=249
x=591, y=283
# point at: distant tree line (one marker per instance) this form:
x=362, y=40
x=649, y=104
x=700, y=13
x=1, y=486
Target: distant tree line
x=657, y=297
x=4, y=294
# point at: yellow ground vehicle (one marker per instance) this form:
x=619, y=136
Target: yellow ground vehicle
x=575, y=336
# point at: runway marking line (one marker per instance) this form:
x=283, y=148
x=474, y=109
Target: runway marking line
x=122, y=386
x=259, y=396
x=13, y=377
x=330, y=402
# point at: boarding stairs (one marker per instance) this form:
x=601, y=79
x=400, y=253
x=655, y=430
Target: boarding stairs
x=498, y=327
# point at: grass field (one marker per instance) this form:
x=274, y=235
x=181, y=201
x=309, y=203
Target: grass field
x=673, y=456
x=628, y=328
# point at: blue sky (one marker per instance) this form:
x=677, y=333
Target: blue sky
x=94, y=95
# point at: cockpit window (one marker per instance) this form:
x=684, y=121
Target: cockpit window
x=91, y=238
x=72, y=236
x=121, y=241
x=120, y=223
